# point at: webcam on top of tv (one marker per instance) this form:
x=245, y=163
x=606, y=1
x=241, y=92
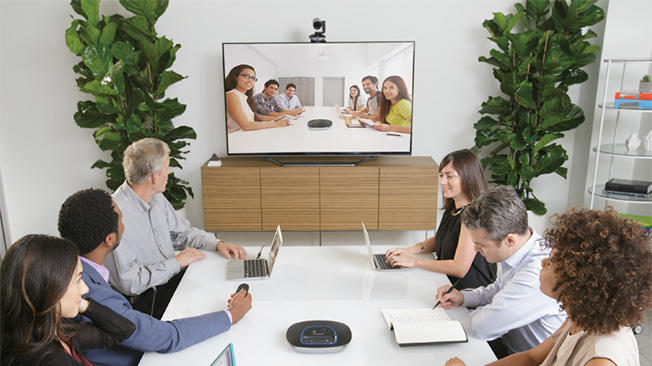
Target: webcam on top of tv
x=320, y=31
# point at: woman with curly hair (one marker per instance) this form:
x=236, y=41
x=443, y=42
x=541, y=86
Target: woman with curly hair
x=600, y=269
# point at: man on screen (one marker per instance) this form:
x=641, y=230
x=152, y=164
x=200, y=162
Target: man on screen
x=370, y=111
x=266, y=104
x=289, y=100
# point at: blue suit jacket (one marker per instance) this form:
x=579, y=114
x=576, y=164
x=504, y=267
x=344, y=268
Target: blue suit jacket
x=151, y=335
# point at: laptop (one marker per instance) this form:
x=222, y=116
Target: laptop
x=258, y=267
x=377, y=260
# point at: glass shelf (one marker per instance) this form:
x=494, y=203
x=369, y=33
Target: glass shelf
x=599, y=192
x=611, y=106
x=628, y=60
x=620, y=150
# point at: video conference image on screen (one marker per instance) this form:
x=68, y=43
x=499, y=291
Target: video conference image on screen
x=318, y=98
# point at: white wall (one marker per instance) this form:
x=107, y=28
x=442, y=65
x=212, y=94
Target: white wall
x=44, y=156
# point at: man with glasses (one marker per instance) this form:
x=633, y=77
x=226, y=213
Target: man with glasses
x=266, y=104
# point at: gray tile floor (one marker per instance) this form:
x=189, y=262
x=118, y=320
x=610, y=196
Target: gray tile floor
x=644, y=341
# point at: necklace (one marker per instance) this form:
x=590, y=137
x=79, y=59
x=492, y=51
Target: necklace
x=456, y=212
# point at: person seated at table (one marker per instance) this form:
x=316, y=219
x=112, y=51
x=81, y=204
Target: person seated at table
x=289, y=100
x=511, y=312
x=154, y=231
x=462, y=179
x=266, y=104
x=600, y=270
x=41, y=292
x=356, y=101
x=93, y=222
x=239, y=84
x=395, y=111
x=370, y=110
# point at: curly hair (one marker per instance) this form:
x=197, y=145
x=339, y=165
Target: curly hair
x=86, y=218
x=603, y=269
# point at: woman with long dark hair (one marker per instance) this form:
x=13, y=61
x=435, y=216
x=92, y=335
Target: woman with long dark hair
x=395, y=111
x=239, y=86
x=356, y=101
x=462, y=179
x=41, y=290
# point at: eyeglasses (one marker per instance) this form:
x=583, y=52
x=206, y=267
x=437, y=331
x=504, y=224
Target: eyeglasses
x=250, y=77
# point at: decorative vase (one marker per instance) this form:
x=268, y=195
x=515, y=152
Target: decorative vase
x=648, y=141
x=632, y=142
x=645, y=87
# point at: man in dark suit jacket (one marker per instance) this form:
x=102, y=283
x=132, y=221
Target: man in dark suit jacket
x=92, y=221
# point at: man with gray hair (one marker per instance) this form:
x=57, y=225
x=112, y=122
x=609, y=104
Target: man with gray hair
x=511, y=312
x=153, y=231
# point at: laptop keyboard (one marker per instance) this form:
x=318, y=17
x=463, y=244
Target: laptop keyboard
x=255, y=268
x=380, y=261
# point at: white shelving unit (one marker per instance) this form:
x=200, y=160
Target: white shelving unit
x=613, y=149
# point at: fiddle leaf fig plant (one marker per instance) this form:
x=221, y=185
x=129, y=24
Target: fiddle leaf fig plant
x=541, y=49
x=125, y=66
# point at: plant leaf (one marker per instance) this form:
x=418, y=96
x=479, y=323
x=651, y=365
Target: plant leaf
x=91, y=9
x=98, y=59
x=167, y=78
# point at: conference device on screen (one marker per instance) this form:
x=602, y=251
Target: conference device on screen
x=323, y=75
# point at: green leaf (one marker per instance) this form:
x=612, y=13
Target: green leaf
x=139, y=28
x=87, y=116
x=77, y=8
x=110, y=141
x=134, y=125
x=485, y=123
x=167, y=78
x=108, y=33
x=92, y=33
x=168, y=109
x=98, y=59
x=181, y=132
x=91, y=9
x=537, y=9
x=504, y=61
x=537, y=207
x=73, y=41
x=149, y=9
x=125, y=51
x=100, y=164
x=545, y=140
x=495, y=105
x=105, y=104
x=95, y=87
x=524, y=95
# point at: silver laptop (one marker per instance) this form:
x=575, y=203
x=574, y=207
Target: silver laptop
x=377, y=260
x=256, y=268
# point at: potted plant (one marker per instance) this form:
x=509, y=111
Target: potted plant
x=645, y=86
x=124, y=66
x=535, y=65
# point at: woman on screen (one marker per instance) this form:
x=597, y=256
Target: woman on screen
x=600, y=270
x=395, y=111
x=41, y=289
x=239, y=85
x=356, y=101
x=462, y=179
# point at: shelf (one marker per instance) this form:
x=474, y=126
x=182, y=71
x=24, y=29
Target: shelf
x=611, y=106
x=620, y=150
x=599, y=192
x=628, y=60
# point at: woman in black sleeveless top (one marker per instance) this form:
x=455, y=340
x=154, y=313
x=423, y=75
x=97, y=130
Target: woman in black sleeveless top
x=462, y=179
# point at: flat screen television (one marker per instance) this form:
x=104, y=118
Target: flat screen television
x=318, y=77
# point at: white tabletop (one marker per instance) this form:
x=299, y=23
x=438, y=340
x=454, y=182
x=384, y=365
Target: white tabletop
x=298, y=138
x=314, y=283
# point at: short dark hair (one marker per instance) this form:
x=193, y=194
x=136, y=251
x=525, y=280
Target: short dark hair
x=603, y=269
x=500, y=211
x=290, y=85
x=468, y=167
x=86, y=218
x=373, y=79
x=271, y=82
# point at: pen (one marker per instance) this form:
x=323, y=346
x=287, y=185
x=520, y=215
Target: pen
x=392, y=134
x=447, y=291
x=261, y=251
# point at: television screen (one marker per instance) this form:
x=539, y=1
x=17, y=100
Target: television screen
x=331, y=98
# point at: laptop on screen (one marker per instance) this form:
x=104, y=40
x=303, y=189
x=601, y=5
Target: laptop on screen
x=258, y=267
x=377, y=260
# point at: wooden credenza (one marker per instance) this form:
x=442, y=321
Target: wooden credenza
x=389, y=193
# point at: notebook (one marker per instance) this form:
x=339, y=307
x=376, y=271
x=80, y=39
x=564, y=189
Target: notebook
x=414, y=327
x=256, y=268
x=377, y=260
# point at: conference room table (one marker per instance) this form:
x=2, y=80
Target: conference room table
x=299, y=138
x=315, y=283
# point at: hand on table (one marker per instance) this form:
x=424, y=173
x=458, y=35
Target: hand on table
x=455, y=362
x=189, y=255
x=400, y=257
x=382, y=126
x=451, y=299
x=230, y=250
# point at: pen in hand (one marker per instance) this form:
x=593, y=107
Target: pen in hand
x=447, y=291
